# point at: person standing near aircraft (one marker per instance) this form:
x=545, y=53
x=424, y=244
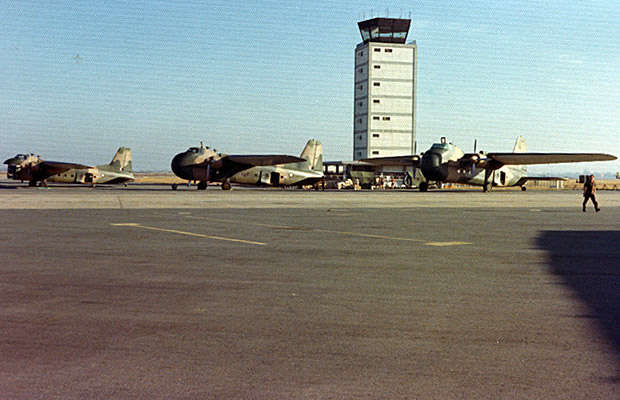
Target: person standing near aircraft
x=589, y=190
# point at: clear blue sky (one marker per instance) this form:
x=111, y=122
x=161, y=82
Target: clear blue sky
x=79, y=79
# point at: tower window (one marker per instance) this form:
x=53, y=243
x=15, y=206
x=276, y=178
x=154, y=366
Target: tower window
x=377, y=50
x=361, y=70
x=375, y=118
x=375, y=135
x=377, y=67
x=376, y=84
x=386, y=118
x=375, y=152
x=388, y=50
x=376, y=101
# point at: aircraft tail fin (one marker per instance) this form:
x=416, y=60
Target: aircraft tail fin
x=120, y=162
x=519, y=145
x=313, y=152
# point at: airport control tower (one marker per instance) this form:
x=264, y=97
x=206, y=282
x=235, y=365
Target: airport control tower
x=385, y=89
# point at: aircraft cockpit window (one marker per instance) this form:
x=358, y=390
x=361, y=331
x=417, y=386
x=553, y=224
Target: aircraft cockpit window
x=21, y=156
x=439, y=146
x=193, y=149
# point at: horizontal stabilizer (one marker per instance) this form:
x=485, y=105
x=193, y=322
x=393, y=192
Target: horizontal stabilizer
x=548, y=158
x=524, y=179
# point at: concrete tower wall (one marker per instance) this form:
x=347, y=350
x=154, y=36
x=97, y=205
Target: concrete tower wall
x=385, y=99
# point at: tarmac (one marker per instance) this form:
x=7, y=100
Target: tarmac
x=145, y=292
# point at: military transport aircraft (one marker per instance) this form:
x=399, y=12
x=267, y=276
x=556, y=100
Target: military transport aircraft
x=444, y=162
x=206, y=165
x=31, y=168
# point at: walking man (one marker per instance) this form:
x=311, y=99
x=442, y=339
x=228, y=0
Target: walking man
x=589, y=190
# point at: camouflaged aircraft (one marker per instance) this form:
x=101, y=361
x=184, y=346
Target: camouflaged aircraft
x=31, y=168
x=445, y=162
x=203, y=165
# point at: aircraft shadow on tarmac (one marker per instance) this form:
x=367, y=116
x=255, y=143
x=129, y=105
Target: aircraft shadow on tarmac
x=589, y=263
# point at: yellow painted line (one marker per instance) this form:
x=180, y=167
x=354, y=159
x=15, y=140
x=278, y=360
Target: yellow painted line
x=189, y=233
x=446, y=243
x=368, y=235
x=241, y=222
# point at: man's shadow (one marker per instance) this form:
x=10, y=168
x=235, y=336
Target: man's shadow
x=589, y=263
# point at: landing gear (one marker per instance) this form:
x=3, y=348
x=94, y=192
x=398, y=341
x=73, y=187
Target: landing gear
x=202, y=185
x=226, y=185
x=174, y=186
x=487, y=185
x=32, y=183
x=423, y=186
x=523, y=188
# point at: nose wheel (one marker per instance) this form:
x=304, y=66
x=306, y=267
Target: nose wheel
x=226, y=185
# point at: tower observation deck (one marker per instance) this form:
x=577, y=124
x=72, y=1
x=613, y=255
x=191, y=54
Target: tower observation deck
x=384, y=30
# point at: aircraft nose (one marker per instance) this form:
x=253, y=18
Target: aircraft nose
x=181, y=165
x=431, y=167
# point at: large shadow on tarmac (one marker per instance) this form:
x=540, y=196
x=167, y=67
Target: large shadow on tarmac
x=589, y=263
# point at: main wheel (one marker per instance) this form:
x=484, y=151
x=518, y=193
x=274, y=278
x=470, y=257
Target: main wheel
x=423, y=186
x=202, y=185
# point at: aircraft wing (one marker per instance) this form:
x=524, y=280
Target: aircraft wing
x=547, y=158
x=261, y=160
x=230, y=165
x=48, y=168
x=396, y=161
